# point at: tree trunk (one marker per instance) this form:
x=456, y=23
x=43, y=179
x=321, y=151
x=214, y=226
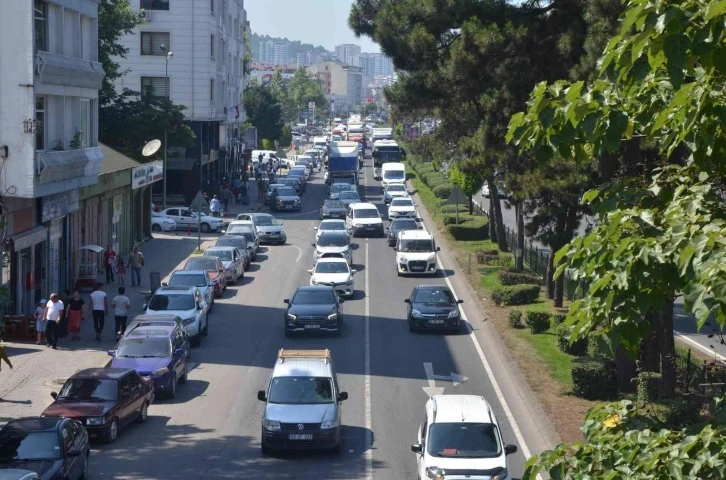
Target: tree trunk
x=627, y=371
x=498, y=219
x=549, y=278
x=470, y=198
x=519, y=251
x=492, y=224
x=649, y=357
x=667, y=350
x=559, y=291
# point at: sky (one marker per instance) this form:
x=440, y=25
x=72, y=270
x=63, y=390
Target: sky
x=320, y=22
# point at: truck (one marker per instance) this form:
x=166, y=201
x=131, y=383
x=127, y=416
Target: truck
x=357, y=133
x=342, y=161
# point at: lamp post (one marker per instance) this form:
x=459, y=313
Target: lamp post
x=167, y=56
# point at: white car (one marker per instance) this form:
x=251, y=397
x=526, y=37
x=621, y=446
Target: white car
x=402, y=207
x=416, y=253
x=364, y=218
x=330, y=226
x=185, y=218
x=334, y=272
x=394, y=190
x=188, y=304
x=333, y=244
x=162, y=223
x=461, y=434
x=232, y=260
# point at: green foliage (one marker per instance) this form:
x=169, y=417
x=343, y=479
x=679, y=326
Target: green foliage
x=451, y=219
x=515, y=318
x=247, y=60
x=424, y=167
x=116, y=18
x=648, y=387
x=299, y=91
x=474, y=229
x=263, y=111
x=514, y=277
x=452, y=208
x=515, y=295
x=443, y=190
x=578, y=348
x=558, y=319
x=268, y=144
x=434, y=179
x=537, y=321
x=597, y=346
x=286, y=137
x=468, y=181
x=594, y=378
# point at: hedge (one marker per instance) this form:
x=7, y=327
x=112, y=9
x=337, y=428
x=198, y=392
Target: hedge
x=452, y=209
x=475, y=229
x=451, y=219
x=515, y=295
x=511, y=277
x=434, y=179
x=424, y=167
x=594, y=378
x=443, y=191
x=648, y=387
x=558, y=319
x=515, y=318
x=537, y=322
x=596, y=347
x=579, y=348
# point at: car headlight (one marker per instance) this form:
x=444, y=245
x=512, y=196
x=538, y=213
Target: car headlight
x=349, y=282
x=272, y=424
x=403, y=259
x=290, y=316
x=159, y=372
x=327, y=424
x=166, y=222
x=454, y=313
x=432, y=257
x=297, y=200
x=416, y=313
x=333, y=316
x=94, y=421
x=435, y=472
x=188, y=321
x=230, y=268
x=502, y=475
x=357, y=225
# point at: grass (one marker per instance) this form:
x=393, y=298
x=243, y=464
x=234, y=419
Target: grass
x=557, y=363
x=197, y=251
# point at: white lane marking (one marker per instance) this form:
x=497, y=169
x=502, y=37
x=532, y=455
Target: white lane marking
x=454, y=378
x=432, y=389
x=700, y=347
x=367, y=375
x=299, y=252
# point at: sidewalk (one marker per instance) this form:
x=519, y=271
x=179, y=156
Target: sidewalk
x=39, y=370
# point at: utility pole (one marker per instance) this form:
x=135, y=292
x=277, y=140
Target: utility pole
x=167, y=56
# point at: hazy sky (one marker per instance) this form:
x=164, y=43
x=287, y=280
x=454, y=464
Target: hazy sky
x=320, y=22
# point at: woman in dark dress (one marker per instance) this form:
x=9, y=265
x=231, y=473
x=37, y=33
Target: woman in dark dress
x=75, y=311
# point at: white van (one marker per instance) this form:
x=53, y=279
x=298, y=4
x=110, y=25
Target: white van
x=320, y=142
x=364, y=218
x=416, y=253
x=392, y=172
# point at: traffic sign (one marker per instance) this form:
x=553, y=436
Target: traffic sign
x=311, y=105
x=456, y=197
x=198, y=202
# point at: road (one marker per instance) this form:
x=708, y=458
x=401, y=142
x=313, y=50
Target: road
x=212, y=429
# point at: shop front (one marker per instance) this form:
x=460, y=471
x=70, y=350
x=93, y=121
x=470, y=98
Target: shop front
x=28, y=260
x=142, y=179
x=55, y=210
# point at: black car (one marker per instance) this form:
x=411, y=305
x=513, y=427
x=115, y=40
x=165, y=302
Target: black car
x=433, y=307
x=299, y=175
x=53, y=447
x=333, y=209
x=314, y=309
x=399, y=225
x=293, y=182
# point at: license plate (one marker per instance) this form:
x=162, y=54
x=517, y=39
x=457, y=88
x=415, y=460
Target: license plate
x=312, y=326
x=288, y=207
x=436, y=322
x=417, y=269
x=299, y=436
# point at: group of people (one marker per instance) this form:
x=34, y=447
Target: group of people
x=116, y=266
x=236, y=190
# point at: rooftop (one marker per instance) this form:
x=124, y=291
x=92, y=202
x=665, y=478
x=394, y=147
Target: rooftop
x=462, y=409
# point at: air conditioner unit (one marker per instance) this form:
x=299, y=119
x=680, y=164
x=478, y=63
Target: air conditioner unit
x=146, y=15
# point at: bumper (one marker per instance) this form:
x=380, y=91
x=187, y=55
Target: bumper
x=167, y=228
x=289, y=207
x=162, y=383
x=192, y=329
x=273, y=238
x=97, y=431
x=432, y=324
x=340, y=215
x=218, y=289
x=368, y=230
x=406, y=268
x=342, y=290
x=312, y=327
x=320, y=439
x=230, y=275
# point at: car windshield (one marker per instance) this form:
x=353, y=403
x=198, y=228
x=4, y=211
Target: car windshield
x=265, y=221
x=303, y=162
x=463, y=440
x=339, y=187
x=163, y=301
x=313, y=297
x=434, y=295
x=224, y=255
x=144, y=347
x=239, y=229
x=393, y=174
x=404, y=224
x=417, y=245
x=18, y=444
x=274, y=187
x=230, y=241
x=366, y=213
x=301, y=390
x=201, y=264
x=349, y=195
x=333, y=240
x=334, y=204
x=331, y=226
x=90, y=389
x=401, y=202
x=194, y=280
x=396, y=188
x=331, y=267
x=286, y=192
x=296, y=171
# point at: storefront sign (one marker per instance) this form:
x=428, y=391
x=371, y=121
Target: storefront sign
x=56, y=228
x=251, y=138
x=147, y=174
x=59, y=205
x=30, y=238
x=117, y=207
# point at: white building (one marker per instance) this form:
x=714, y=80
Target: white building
x=348, y=54
x=280, y=54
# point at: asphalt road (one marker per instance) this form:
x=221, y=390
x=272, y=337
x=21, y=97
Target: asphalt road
x=212, y=429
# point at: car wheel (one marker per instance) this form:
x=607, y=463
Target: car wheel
x=86, y=470
x=156, y=227
x=172, y=393
x=205, y=331
x=234, y=281
x=183, y=378
x=143, y=413
x=196, y=340
x=264, y=449
x=205, y=228
x=112, y=431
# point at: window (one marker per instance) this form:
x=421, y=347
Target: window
x=41, y=25
x=211, y=6
x=39, y=122
x=155, y=86
x=211, y=90
x=84, y=125
x=151, y=43
x=155, y=4
x=214, y=45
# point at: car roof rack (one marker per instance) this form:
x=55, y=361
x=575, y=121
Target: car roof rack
x=283, y=354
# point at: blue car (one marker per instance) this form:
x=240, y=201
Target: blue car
x=157, y=352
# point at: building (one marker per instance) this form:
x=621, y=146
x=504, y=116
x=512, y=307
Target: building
x=263, y=73
x=342, y=83
x=48, y=139
x=203, y=72
x=280, y=54
x=348, y=54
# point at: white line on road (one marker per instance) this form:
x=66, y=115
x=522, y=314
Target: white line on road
x=299, y=252
x=367, y=372
x=698, y=346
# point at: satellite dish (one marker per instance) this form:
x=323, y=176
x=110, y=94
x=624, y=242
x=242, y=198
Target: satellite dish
x=151, y=148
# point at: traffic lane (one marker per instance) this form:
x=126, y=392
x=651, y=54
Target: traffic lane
x=686, y=329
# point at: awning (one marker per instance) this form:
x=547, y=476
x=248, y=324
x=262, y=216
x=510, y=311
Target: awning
x=29, y=238
x=58, y=69
x=92, y=248
x=56, y=166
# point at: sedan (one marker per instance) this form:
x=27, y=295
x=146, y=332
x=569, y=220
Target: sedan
x=52, y=447
x=185, y=218
x=333, y=209
x=402, y=207
x=399, y=225
x=348, y=197
x=162, y=223
x=104, y=400
x=286, y=198
x=334, y=272
x=271, y=188
x=335, y=226
x=232, y=261
x=194, y=278
x=299, y=175
x=269, y=229
x=241, y=242
x=186, y=303
x=213, y=266
x=333, y=244
x=336, y=188
x=314, y=309
x=433, y=307
x=394, y=190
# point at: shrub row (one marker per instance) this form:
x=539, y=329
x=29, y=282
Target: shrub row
x=443, y=190
x=537, y=322
x=648, y=387
x=451, y=219
x=475, y=229
x=594, y=378
x=577, y=348
x=515, y=318
x=511, y=277
x=452, y=209
x=515, y=295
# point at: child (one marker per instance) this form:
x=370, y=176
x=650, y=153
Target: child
x=40, y=320
x=120, y=270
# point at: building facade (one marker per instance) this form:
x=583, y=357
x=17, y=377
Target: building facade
x=342, y=83
x=348, y=54
x=48, y=139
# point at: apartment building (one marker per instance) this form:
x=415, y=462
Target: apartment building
x=348, y=54
x=342, y=83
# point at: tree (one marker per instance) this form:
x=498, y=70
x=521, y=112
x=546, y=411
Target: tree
x=263, y=111
x=116, y=18
x=468, y=179
x=286, y=138
x=302, y=89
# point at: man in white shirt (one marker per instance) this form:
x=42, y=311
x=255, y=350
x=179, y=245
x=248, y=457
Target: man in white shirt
x=99, y=310
x=121, y=306
x=52, y=315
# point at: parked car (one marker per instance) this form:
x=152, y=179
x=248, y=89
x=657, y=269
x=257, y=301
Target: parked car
x=269, y=229
x=213, y=266
x=157, y=353
x=270, y=188
x=286, y=199
x=186, y=218
x=162, y=223
x=239, y=242
x=334, y=272
x=194, y=278
x=232, y=261
x=162, y=320
x=332, y=209
x=104, y=400
x=314, y=309
x=245, y=228
x=433, y=307
x=47, y=448
x=188, y=304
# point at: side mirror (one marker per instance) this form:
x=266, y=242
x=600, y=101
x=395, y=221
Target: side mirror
x=179, y=352
x=261, y=396
x=164, y=284
x=341, y=301
x=74, y=453
x=310, y=271
x=54, y=395
x=510, y=449
x=408, y=300
x=438, y=249
x=417, y=448
x=145, y=306
x=315, y=228
x=342, y=396
x=287, y=300
x=460, y=301
x=111, y=353
x=352, y=270
x=313, y=244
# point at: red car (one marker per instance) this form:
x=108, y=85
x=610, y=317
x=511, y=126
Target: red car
x=213, y=265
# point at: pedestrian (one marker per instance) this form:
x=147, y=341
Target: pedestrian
x=120, y=270
x=40, y=320
x=4, y=357
x=63, y=323
x=259, y=158
x=121, y=307
x=226, y=197
x=244, y=193
x=75, y=311
x=136, y=261
x=260, y=189
x=53, y=310
x=206, y=198
x=109, y=257
x=99, y=310
x=215, y=207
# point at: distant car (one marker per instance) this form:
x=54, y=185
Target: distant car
x=194, y=278
x=334, y=272
x=162, y=223
x=246, y=229
x=185, y=302
x=299, y=175
x=241, y=242
x=186, y=218
x=335, y=244
x=269, y=229
x=400, y=224
x=157, y=353
x=348, y=197
x=44, y=448
x=293, y=182
x=394, y=190
x=286, y=199
x=433, y=307
x=402, y=207
x=104, y=400
x=314, y=309
x=333, y=209
x=232, y=261
x=336, y=188
x=337, y=226
x=213, y=266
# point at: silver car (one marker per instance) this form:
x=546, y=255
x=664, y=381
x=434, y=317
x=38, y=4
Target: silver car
x=232, y=260
x=269, y=229
x=333, y=244
x=348, y=197
x=394, y=190
x=194, y=278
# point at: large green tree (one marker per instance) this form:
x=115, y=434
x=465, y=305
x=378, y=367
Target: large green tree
x=263, y=111
x=116, y=18
x=302, y=89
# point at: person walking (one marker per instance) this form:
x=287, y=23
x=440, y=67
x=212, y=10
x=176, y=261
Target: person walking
x=109, y=257
x=136, y=261
x=63, y=323
x=75, y=311
x=121, y=306
x=4, y=357
x=120, y=271
x=244, y=193
x=99, y=310
x=215, y=207
x=226, y=197
x=40, y=320
x=260, y=189
x=53, y=310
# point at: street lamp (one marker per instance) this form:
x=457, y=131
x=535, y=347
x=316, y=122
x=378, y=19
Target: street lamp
x=167, y=56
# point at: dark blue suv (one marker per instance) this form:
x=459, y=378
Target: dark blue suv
x=157, y=353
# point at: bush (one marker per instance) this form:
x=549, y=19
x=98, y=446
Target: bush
x=452, y=208
x=578, y=348
x=511, y=277
x=675, y=414
x=443, y=191
x=451, y=219
x=593, y=378
x=475, y=229
x=597, y=347
x=515, y=295
x=434, y=179
x=424, y=167
x=515, y=318
x=485, y=259
x=538, y=322
x=648, y=387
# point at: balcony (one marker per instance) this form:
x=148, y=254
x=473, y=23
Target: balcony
x=59, y=166
x=54, y=69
